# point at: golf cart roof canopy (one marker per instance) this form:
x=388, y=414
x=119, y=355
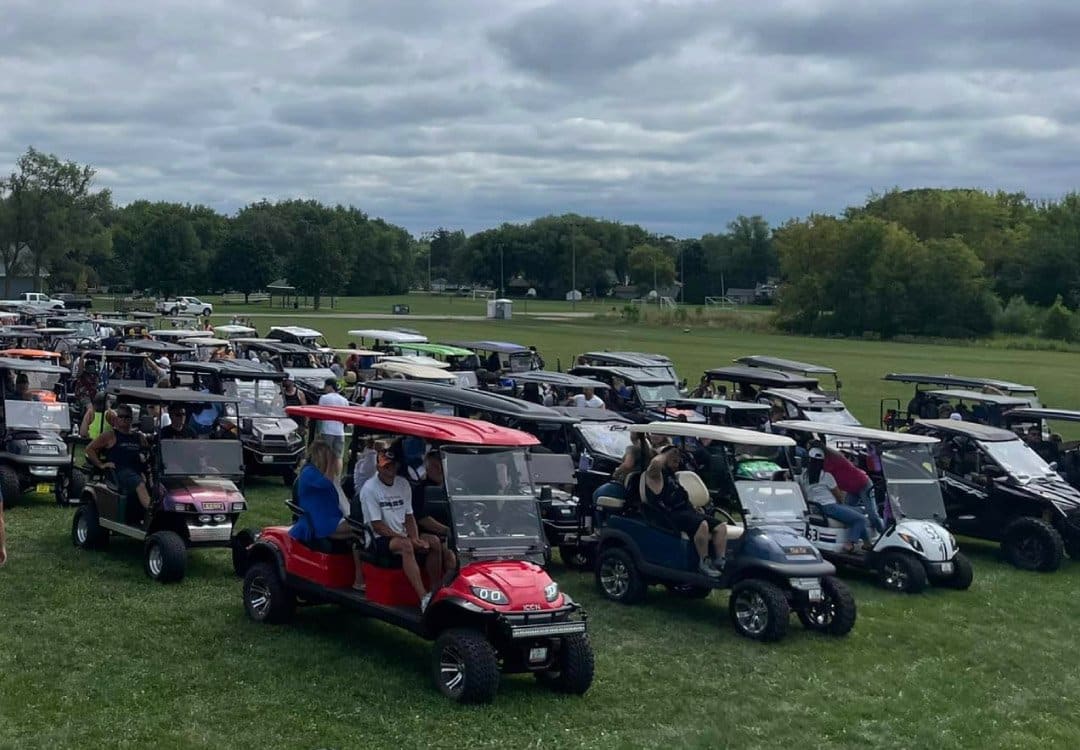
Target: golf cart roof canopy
x=958, y=381
x=588, y=414
x=233, y=328
x=107, y=354
x=299, y=332
x=388, y=335
x=855, y=432
x=29, y=354
x=231, y=368
x=32, y=365
x=438, y=350
x=632, y=375
x=973, y=430
x=761, y=376
x=176, y=333
x=1028, y=412
x=169, y=395
x=273, y=346
x=804, y=398
x=428, y=426
x=720, y=404
x=207, y=341
x=496, y=403
x=415, y=359
x=558, y=379
x=502, y=347
x=142, y=314
x=414, y=371
x=785, y=365
x=980, y=397
x=714, y=432
x=155, y=347
x=55, y=331
x=628, y=359
x=119, y=323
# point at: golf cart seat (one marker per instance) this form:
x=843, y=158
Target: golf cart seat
x=324, y=545
x=818, y=518
x=610, y=496
x=695, y=488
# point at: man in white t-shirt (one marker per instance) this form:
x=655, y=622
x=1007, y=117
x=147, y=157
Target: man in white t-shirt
x=588, y=399
x=387, y=502
x=819, y=487
x=330, y=431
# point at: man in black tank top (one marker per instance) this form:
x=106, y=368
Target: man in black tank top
x=120, y=450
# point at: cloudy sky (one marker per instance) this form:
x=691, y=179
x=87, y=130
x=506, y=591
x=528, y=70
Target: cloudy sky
x=468, y=113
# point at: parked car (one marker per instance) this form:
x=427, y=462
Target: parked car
x=178, y=305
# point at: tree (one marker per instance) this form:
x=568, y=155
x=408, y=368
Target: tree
x=651, y=267
x=248, y=258
x=1059, y=322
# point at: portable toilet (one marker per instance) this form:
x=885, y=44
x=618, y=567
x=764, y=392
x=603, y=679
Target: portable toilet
x=504, y=309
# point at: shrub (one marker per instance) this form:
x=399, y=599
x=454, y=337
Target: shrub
x=1019, y=317
x=631, y=313
x=1059, y=323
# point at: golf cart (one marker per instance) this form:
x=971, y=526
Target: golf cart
x=996, y=487
x=637, y=394
x=397, y=368
x=770, y=568
x=306, y=337
x=386, y=340
x=155, y=349
x=234, y=331
x=462, y=362
x=296, y=360
x=915, y=548
x=657, y=364
x=498, y=612
x=794, y=395
x=503, y=356
x=562, y=386
x=744, y=383
x=1034, y=424
x=193, y=499
x=36, y=453
x=747, y=415
x=924, y=406
x=271, y=440
x=176, y=335
x=780, y=364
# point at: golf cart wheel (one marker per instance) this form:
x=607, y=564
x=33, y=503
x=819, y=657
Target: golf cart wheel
x=10, y=488
x=1072, y=546
x=240, y=543
x=578, y=558
x=962, y=574
x=69, y=488
x=266, y=599
x=206, y=312
x=572, y=671
x=86, y=532
x=618, y=578
x=1033, y=544
x=835, y=613
x=759, y=610
x=688, y=591
x=174, y=311
x=899, y=571
x=465, y=666
x=165, y=557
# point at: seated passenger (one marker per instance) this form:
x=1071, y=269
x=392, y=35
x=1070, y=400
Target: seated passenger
x=324, y=504
x=387, y=502
x=819, y=486
x=120, y=450
x=177, y=427
x=22, y=388
x=663, y=491
x=433, y=477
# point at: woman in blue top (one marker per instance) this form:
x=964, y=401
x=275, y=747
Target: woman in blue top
x=325, y=506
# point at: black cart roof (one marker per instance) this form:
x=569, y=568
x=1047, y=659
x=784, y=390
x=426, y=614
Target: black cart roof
x=628, y=359
x=274, y=346
x=153, y=346
x=1061, y=415
x=957, y=381
x=231, y=368
x=631, y=375
x=785, y=365
x=588, y=414
x=32, y=365
x=973, y=430
x=559, y=379
x=761, y=376
x=494, y=403
x=169, y=395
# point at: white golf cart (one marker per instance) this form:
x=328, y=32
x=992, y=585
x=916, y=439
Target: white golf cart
x=915, y=548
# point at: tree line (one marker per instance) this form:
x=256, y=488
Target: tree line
x=920, y=262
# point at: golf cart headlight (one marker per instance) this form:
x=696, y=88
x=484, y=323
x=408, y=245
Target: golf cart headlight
x=182, y=507
x=912, y=541
x=204, y=518
x=952, y=541
x=237, y=507
x=551, y=591
x=492, y=596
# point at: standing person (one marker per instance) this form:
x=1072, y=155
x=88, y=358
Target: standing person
x=293, y=396
x=333, y=433
x=819, y=486
x=856, y=484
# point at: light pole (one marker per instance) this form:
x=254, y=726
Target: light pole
x=573, y=270
x=502, y=273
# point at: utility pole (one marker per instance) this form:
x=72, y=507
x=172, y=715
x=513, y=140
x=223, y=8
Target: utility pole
x=573, y=270
x=502, y=273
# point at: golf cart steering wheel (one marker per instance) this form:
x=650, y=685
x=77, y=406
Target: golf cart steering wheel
x=473, y=519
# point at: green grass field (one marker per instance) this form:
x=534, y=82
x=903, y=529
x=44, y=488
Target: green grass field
x=95, y=655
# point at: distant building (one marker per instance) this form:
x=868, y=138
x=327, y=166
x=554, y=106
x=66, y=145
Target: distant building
x=22, y=280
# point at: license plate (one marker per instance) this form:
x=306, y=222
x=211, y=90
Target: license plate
x=268, y=459
x=946, y=567
x=213, y=506
x=814, y=595
x=537, y=654
x=43, y=489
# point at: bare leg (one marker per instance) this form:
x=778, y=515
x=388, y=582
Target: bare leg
x=344, y=531
x=143, y=494
x=403, y=547
x=719, y=540
x=449, y=559
x=434, y=561
x=3, y=535
x=701, y=540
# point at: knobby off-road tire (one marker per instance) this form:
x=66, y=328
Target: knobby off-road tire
x=759, y=610
x=240, y=543
x=465, y=666
x=10, y=486
x=835, y=613
x=573, y=669
x=1033, y=544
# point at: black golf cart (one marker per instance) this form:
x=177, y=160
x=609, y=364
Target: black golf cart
x=194, y=501
x=657, y=364
x=36, y=450
x=996, y=487
x=271, y=439
x=637, y=394
x=780, y=364
x=298, y=361
x=1034, y=425
x=924, y=405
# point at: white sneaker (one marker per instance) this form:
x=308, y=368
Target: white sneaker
x=708, y=569
x=426, y=600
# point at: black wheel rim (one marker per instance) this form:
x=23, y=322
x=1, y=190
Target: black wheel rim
x=1029, y=550
x=751, y=612
x=615, y=578
x=822, y=613
x=451, y=671
x=894, y=575
x=259, y=596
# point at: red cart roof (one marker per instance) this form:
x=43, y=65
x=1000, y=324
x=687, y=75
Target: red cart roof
x=428, y=426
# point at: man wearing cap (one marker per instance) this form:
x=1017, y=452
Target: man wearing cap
x=177, y=427
x=819, y=486
x=387, y=502
x=331, y=431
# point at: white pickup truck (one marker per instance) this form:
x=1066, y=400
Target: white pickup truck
x=189, y=305
x=34, y=299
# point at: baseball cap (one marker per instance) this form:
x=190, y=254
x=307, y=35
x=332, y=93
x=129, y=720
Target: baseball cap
x=817, y=453
x=163, y=361
x=331, y=383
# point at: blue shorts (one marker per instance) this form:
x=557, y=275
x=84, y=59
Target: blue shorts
x=127, y=481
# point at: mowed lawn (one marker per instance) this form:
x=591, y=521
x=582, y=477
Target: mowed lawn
x=95, y=655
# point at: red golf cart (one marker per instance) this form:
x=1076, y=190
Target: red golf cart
x=498, y=612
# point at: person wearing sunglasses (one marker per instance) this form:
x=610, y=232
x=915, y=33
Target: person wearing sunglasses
x=120, y=450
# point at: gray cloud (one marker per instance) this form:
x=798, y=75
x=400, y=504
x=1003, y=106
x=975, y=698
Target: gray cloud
x=678, y=114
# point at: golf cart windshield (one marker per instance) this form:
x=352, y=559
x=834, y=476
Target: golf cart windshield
x=831, y=416
x=37, y=415
x=492, y=500
x=605, y=439
x=657, y=393
x=82, y=328
x=912, y=483
x=521, y=361
x=1018, y=460
x=202, y=458
x=258, y=398
x=771, y=502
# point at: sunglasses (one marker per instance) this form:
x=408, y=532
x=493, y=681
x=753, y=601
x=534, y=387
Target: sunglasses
x=127, y=417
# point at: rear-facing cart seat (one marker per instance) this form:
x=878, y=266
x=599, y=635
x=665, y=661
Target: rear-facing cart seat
x=699, y=497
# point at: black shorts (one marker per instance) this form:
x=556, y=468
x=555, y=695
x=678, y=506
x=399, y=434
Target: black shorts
x=382, y=547
x=127, y=481
x=688, y=521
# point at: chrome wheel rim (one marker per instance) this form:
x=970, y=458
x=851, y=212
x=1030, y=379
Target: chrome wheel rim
x=259, y=596
x=615, y=578
x=751, y=612
x=82, y=529
x=156, y=560
x=451, y=670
